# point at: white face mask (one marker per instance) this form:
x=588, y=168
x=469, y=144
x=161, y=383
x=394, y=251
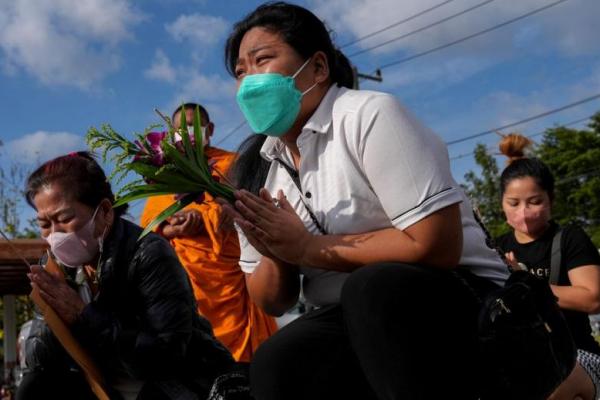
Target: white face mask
x=190, y=130
x=74, y=249
x=202, y=132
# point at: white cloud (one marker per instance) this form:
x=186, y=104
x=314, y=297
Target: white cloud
x=206, y=87
x=198, y=28
x=570, y=28
x=41, y=146
x=161, y=68
x=65, y=42
x=556, y=25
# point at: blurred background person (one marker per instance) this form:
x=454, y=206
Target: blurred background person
x=208, y=249
x=527, y=189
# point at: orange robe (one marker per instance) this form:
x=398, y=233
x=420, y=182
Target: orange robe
x=211, y=261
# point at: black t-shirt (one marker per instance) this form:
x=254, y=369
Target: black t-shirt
x=576, y=250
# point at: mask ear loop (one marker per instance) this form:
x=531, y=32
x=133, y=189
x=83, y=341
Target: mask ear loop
x=100, y=252
x=300, y=70
x=310, y=88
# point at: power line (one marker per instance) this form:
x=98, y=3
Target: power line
x=441, y=21
x=534, y=117
x=464, y=39
x=395, y=24
x=490, y=148
x=231, y=132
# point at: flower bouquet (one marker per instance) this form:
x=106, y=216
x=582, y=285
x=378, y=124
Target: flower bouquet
x=169, y=162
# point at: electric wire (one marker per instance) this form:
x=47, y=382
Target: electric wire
x=471, y=36
x=491, y=148
x=528, y=119
x=395, y=24
x=441, y=21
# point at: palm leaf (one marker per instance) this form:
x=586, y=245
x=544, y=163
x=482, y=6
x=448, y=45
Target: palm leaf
x=169, y=211
x=200, y=160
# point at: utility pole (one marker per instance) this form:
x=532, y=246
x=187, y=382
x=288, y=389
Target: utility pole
x=356, y=75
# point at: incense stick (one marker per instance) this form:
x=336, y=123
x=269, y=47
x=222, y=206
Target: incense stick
x=14, y=249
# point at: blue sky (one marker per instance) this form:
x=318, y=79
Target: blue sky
x=66, y=65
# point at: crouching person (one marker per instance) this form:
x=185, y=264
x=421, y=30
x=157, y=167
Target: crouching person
x=127, y=301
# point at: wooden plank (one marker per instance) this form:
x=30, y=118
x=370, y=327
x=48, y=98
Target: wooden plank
x=31, y=249
x=68, y=341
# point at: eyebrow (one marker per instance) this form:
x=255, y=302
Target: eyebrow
x=60, y=211
x=254, y=51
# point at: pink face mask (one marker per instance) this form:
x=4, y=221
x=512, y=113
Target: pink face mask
x=527, y=220
x=73, y=249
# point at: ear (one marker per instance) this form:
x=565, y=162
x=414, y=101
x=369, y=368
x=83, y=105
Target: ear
x=107, y=215
x=210, y=128
x=320, y=67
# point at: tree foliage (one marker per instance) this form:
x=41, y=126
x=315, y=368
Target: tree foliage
x=484, y=191
x=573, y=156
x=12, y=202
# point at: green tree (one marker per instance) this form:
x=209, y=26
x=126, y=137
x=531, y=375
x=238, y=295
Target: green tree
x=574, y=158
x=484, y=191
x=12, y=179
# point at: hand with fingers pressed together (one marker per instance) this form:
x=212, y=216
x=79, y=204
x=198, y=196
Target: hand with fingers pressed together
x=57, y=294
x=186, y=222
x=272, y=225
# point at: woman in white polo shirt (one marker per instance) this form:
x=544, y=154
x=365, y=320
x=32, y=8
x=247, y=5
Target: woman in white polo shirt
x=357, y=198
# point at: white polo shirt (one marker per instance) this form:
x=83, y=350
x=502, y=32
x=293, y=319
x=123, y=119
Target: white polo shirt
x=368, y=164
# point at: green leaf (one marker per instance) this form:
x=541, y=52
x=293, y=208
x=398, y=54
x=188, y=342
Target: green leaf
x=183, y=163
x=139, y=195
x=169, y=211
x=200, y=160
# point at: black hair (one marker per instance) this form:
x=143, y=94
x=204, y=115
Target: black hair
x=299, y=28
x=519, y=166
x=79, y=176
x=306, y=34
x=528, y=167
x=250, y=170
x=192, y=106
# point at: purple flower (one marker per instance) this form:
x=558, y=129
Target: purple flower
x=157, y=157
x=154, y=139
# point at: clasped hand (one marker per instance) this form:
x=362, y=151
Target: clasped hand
x=184, y=223
x=57, y=294
x=271, y=225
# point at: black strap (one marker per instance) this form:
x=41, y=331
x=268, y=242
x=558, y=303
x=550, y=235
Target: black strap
x=296, y=179
x=489, y=240
x=555, y=257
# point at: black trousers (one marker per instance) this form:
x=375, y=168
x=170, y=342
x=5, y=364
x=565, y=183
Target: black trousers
x=401, y=332
x=64, y=385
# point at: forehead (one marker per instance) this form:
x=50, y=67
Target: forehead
x=524, y=185
x=51, y=198
x=258, y=38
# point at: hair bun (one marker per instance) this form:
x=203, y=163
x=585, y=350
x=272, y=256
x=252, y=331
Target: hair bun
x=514, y=145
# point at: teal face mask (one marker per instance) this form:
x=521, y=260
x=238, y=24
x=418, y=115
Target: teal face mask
x=270, y=102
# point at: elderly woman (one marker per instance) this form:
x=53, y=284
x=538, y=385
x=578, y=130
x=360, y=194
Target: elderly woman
x=127, y=301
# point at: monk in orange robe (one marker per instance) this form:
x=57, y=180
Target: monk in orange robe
x=210, y=252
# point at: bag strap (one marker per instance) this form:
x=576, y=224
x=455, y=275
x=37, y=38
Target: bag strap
x=296, y=179
x=555, y=257
x=489, y=240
